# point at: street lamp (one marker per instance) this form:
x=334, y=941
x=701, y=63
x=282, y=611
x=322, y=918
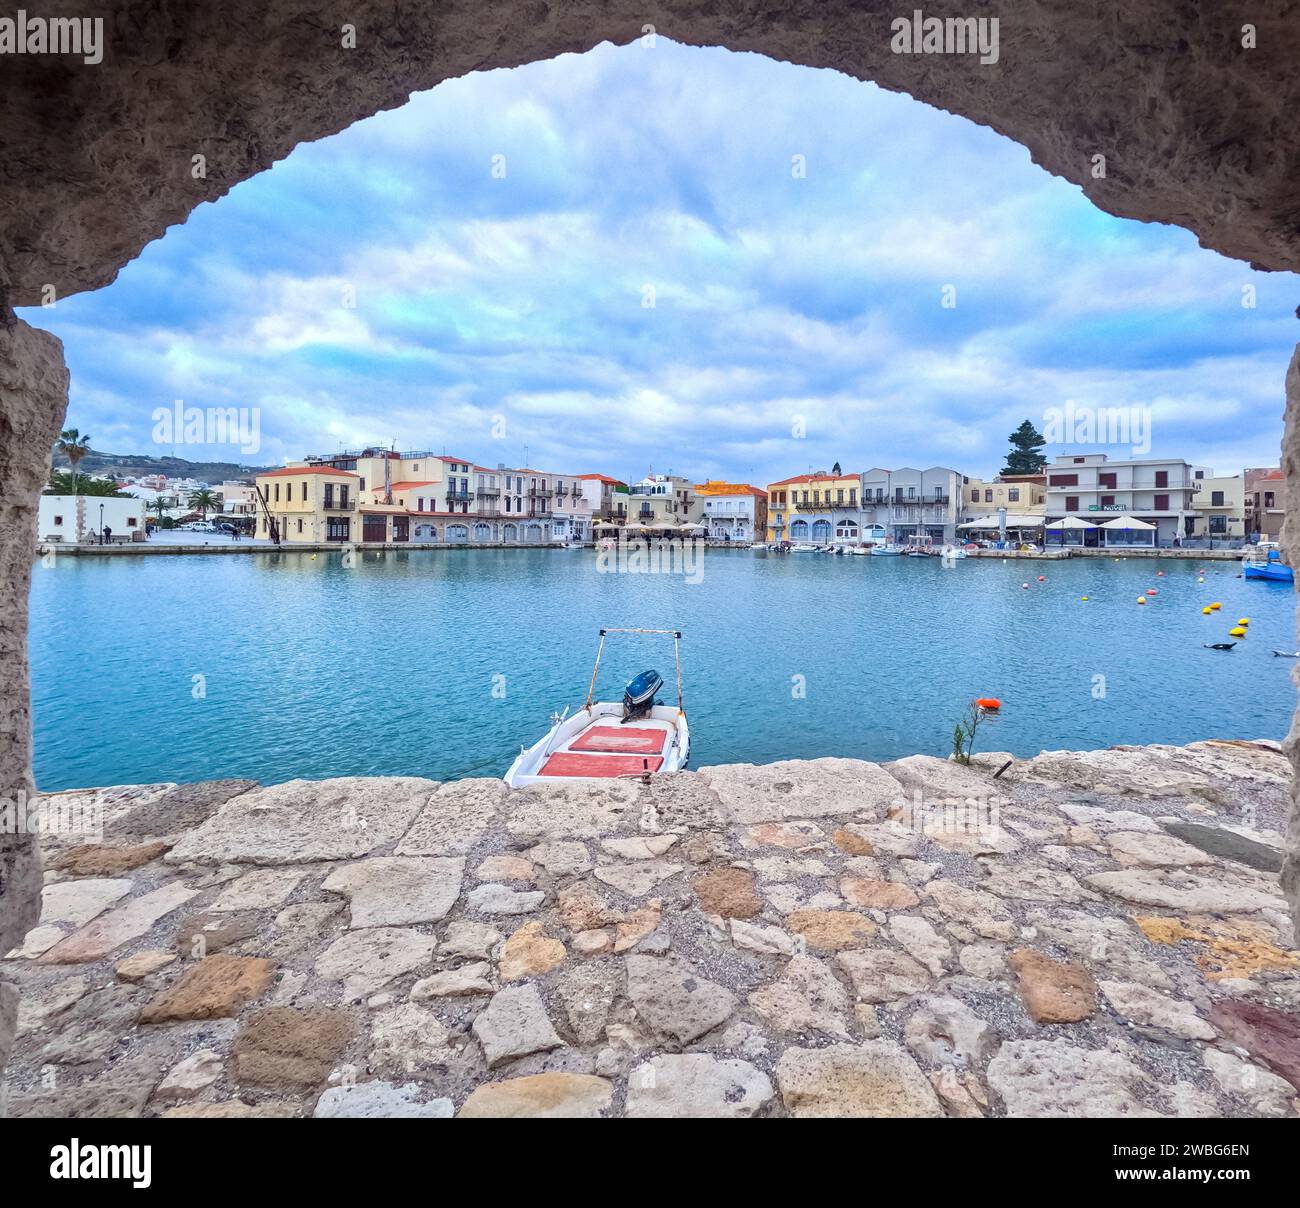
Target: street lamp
x=101, y=524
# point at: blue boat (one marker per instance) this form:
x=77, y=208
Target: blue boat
x=1266, y=563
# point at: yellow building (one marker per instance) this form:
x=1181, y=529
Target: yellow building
x=1025, y=494
x=1220, y=506
x=821, y=507
x=308, y=503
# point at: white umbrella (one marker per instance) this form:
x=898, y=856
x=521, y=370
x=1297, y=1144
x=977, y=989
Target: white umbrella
x=1128, y=522
x=1072, y=522
x=983, y=523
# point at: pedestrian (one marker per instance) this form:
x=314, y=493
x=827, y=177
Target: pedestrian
x=108, y=535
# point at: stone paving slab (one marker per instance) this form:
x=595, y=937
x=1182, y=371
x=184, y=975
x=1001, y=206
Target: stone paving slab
x=805, y=939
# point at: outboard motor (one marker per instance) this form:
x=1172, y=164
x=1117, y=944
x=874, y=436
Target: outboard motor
x=639, y=695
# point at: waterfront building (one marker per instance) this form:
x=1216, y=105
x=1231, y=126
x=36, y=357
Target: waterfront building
x=80, y=517
x=1017, y=500
x=733, y=511
x=1220, y=505
x=1265, y=503
x=422, y=496
x=664, y=499
x=822, y=507
x=607, y=497
x=1158, y=491
x=310, y=503
x=237, y=499
x=907, y=503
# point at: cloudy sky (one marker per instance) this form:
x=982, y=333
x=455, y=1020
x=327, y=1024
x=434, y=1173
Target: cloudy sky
x=704, y=262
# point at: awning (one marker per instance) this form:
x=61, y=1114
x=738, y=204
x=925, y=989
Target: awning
x=1015, y=520
x=1129, y=522
x=1072, y=522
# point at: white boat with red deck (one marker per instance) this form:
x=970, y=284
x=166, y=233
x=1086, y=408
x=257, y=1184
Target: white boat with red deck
x=638, y=737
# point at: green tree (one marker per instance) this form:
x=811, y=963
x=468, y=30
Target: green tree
x=1025, y=456
x=204, y=501
x=835, y=469
x=62, y=482
x=74, y=447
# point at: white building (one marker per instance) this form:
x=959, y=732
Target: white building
x=1158, y=491
x=909, y=503
x=82, y=517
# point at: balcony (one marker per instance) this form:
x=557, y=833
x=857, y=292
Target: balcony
x=540, y=494
x=459, y=496
x=850, y=505
x=339, y=505
x=488, y=493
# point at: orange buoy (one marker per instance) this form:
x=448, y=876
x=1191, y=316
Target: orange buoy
x=1042, y=578
x=989, y=702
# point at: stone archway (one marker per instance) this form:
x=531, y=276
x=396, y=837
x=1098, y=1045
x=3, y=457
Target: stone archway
x=97, y=160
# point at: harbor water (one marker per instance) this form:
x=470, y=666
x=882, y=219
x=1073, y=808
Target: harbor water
x=441, y=663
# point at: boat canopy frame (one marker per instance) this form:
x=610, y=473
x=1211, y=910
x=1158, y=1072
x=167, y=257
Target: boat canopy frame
x=677, y=658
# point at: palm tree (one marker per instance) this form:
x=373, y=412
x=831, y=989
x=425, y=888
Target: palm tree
x=204, y=500
x=74, y=447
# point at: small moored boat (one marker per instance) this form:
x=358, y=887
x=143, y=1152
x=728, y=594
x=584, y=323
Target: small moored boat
x=638, y=737
x=1265, y=562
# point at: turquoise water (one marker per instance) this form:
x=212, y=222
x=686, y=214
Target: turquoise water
x=310, y=669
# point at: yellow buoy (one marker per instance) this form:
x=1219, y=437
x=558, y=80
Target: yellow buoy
x=1142, y=599
x=1237, y=631
x=313, y=557
x=1083, y=597
x=1216, y=606
x=1208, y=611
x=1243, y=621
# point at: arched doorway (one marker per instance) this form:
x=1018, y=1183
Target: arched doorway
x=821, y=532
x=799, y=530
x=482, y=531
x=457, y=533
x=509, y=532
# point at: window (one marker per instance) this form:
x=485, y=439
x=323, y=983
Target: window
x=1013, y=495
x=1107, y=501
x=1072, y=503
x=300, y=524
x=1162, y=478
x=419, y=503
x=130, y=522
x=1108, y=480
x=1162, y=502
x=1199, y=474
x=343, y=498
x=1218, y=525
x=988, y=496
x=853, y=496
x=58, y=520
x=1268, y=499
x=1216, y=499
x=277, y=492
x=975, y=495
x=329, y=494
x=911, y=492
x=1078, y=461
x=362, y=485
x=304, y=492
x=1063, y=480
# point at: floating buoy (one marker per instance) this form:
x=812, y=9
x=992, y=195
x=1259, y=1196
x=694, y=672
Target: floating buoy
x=1237, y=631
x=1208, y=611
x=1216, y=606
x=1142, y=599
x=1153, y=591
x=1243, y=621
x=989, y=702
x=1159, y=574
x=1042, y=578
x=1025, y=586
x=313, y=557
x=1083, y=597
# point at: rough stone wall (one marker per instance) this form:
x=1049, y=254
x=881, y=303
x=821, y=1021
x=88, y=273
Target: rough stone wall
x=96, y=161
x=1291, y=547
x=33, y=399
